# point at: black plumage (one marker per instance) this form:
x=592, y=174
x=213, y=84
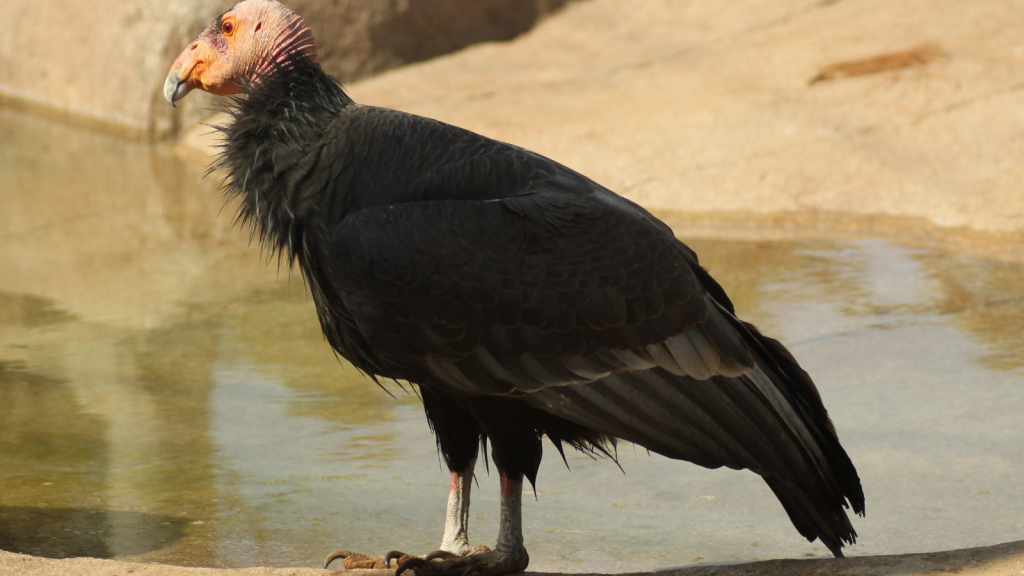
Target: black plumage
x=521, y=297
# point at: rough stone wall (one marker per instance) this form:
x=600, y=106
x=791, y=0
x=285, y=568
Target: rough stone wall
x=99, y=61
x=103, y=62
x=358, y=38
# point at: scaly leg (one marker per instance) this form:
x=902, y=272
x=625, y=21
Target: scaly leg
x=454, y=544
x=508, y=557
x=456, y=522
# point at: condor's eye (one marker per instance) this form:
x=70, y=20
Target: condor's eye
x=227, y=27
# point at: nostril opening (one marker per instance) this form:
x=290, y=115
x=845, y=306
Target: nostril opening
x=193, y=47
x=258, y=26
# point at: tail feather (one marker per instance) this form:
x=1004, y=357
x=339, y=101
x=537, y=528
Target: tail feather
x=723, y=422
x=815, y=516
x=769, y=419
x=844, y=474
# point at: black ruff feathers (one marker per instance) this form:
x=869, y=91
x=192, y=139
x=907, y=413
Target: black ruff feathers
x=276, y=121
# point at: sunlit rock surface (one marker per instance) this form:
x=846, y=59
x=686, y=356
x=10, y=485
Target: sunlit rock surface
x=103, y=63
x=706, y=107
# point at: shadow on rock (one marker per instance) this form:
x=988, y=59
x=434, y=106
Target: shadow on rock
x=70, y=532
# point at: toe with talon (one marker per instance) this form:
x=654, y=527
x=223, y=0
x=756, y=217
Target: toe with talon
x=355, y=560
x=397, y=558
x=411, y=564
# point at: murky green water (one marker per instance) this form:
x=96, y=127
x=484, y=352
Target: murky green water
x=164, y=396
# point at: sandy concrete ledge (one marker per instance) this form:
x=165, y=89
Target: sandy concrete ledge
x=1000, y=560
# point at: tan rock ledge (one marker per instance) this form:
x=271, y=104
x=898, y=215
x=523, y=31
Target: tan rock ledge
x=704, y=106
x=1000, y=560
x=708, y=109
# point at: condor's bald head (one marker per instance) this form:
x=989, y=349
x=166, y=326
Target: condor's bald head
x=241, y=44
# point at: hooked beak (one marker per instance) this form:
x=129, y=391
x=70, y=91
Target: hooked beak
x=174, y=87
x=199, y=66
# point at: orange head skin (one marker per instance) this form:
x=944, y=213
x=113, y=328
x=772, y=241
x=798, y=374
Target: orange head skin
x=241, y=44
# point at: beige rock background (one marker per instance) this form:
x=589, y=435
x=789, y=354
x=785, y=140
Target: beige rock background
x=103, y=63
x=702, y=110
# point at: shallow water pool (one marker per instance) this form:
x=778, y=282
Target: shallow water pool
x=167, y=397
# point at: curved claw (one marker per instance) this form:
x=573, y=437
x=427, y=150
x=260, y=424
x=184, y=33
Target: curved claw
x=355, y=560
x=410, y=564
x=334, y=556
x=393, y=555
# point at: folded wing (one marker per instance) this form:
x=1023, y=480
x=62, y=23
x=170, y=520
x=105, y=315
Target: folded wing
x=586, y=307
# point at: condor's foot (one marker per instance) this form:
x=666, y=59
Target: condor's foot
x=482, y=561
x=355, y=560
x=393, y=559
x=401, y=557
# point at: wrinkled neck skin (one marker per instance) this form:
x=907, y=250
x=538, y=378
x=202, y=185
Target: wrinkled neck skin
x=282, y=36
x=266, y=35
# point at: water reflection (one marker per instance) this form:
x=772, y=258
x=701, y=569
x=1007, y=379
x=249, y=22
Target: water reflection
x=165, y=397
x=873, y=283
x=986, y=300
x=69, y=532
